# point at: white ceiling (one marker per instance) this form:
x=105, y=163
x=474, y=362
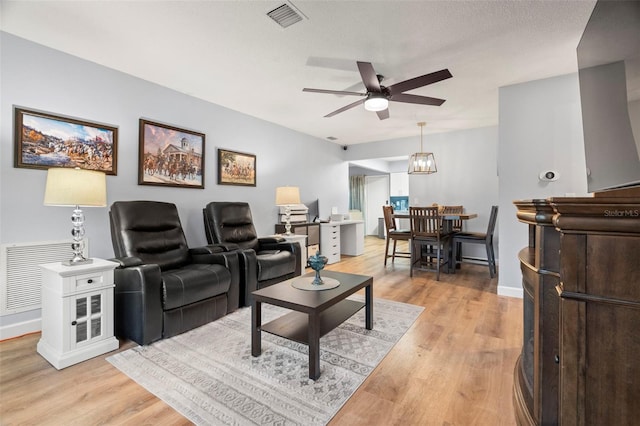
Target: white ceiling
x=230, y=53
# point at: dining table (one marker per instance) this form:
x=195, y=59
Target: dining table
x=447, y=228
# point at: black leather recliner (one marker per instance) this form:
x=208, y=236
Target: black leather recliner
x=264, y=261
x=162, y=287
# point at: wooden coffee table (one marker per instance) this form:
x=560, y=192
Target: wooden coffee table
x=315, y=312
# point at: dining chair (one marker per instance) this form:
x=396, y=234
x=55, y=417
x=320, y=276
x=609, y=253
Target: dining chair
x=455, y=226
x=428, y=244
x=480, y=238
x=395, y=234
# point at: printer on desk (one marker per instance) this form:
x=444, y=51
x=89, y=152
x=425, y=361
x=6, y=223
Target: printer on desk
x=298, y=213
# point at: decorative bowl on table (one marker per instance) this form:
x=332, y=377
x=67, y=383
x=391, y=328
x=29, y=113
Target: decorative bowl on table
x=317, y=263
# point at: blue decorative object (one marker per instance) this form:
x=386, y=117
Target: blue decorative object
x=317, y=263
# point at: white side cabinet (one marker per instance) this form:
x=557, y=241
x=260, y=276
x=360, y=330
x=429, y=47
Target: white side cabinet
x=330, y=242
x=77, y=312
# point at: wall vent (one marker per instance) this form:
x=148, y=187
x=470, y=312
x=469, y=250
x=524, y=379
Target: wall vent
x=286, y=15
x=20, y=276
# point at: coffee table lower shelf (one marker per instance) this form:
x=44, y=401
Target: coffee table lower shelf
x=295, y=325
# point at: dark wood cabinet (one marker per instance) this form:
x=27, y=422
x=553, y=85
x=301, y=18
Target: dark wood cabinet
x=581, y=307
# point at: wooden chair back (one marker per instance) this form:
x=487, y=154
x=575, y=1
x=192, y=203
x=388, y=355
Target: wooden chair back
x=493, y=218
x=456, y=225
x=389, y=221
x=425, y=222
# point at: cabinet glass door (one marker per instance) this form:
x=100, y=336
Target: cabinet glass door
x=87, y=325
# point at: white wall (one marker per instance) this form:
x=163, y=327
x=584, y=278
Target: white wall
x=540, y=129
x=36, y=77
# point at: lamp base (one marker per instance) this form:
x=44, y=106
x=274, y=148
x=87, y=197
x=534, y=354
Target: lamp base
x=76, y=262
x=287, y=221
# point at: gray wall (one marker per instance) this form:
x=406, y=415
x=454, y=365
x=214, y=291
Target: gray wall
x=467, y=172
x=36, y=77
x=540, y=129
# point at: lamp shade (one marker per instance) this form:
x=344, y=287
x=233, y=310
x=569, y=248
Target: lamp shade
x=75, y=187
x=286, y=195
x=422, y=162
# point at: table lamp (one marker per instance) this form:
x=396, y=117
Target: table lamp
x=286, y=196
x=76, y=187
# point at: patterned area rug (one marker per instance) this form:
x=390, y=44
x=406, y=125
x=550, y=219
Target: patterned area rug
x=210, y=377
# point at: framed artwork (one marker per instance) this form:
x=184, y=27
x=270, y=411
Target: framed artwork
x=236, y=168
x=170, y=156
x=44, y=140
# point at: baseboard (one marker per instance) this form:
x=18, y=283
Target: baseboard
x=21, y=328
x=510, y=291
x=476, y=260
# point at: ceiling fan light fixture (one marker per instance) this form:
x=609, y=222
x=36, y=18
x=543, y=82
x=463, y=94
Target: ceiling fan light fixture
x=422, y=162
x=376, y=103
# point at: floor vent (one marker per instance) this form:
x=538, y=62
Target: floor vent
x=286, y=15
x=20, y=276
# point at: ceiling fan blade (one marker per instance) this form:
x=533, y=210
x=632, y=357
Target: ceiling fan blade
x=334, y=92
x=423, y=80
x=384, y=114
x=415, y=99
x=369, y=77
x=344, y=108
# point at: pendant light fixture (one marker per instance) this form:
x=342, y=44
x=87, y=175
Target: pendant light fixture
x=422, y=162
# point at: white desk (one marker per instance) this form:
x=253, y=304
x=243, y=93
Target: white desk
x=338, y=238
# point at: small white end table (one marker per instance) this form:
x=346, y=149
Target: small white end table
x=77, y=312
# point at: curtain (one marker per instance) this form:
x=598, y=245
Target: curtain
x=356, y=193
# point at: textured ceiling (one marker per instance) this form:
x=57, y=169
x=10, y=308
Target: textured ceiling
x=230, y=53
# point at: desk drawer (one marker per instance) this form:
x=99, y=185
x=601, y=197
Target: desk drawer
x=330, y=242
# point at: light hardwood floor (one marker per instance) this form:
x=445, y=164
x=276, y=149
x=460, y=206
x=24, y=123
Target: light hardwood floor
x=453, y=367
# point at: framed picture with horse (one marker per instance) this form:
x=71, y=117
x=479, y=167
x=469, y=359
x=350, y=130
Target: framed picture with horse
x=236, y=168
x=44, y=140
x=170, y=156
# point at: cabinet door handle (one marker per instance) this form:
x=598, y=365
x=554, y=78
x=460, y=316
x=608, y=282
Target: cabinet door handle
x=89, y=281
x=74, y=323
x=557, y=359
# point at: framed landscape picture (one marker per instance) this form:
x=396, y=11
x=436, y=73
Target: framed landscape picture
x=169, y=156
x=236, y=168
x=44, y=140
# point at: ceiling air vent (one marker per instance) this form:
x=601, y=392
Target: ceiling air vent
x=286, y=15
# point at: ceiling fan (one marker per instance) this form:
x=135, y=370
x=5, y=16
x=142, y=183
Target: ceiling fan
x=378, y=96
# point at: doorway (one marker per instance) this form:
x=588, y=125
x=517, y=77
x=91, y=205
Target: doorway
x=376, y=190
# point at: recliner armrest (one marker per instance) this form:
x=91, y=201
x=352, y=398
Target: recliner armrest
x=226, y=246
x=213, y=248
x=138, y=302
x=126, y=262
x=249, y=268
x=292, y=247
x=270, y=240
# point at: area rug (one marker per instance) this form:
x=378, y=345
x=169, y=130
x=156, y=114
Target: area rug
x=210, y=377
